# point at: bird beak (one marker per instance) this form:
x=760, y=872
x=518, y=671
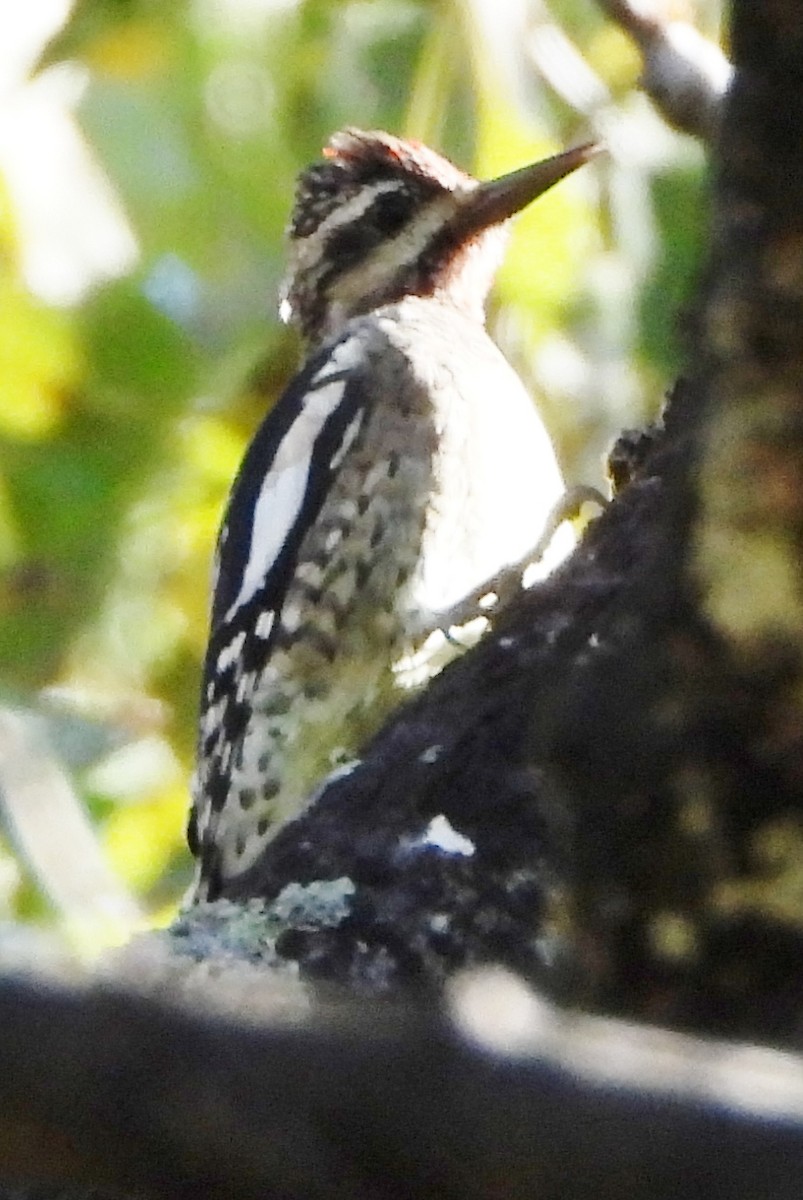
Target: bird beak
x=493, y=202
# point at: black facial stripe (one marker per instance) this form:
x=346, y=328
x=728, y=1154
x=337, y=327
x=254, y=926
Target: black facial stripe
x=383, y=218
x=326, y=186
x=354, y=242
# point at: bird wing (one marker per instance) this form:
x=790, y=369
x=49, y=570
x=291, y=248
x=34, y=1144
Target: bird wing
x=282, y=483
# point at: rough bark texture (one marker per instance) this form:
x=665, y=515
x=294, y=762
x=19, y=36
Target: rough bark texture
x=604, y=796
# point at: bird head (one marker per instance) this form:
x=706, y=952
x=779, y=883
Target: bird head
x=382, y=218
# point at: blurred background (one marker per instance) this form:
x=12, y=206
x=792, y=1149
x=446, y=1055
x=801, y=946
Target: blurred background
x=148, y=151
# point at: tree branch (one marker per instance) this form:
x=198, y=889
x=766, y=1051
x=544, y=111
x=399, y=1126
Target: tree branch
x=506, y=1095
x=685, y=74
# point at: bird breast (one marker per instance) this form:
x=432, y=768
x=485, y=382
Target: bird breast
x=494, y=476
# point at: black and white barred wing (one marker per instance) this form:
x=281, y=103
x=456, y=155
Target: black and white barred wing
x=279, y=490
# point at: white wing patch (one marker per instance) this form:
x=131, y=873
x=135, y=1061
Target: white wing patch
x=284, y=487
x=278, y=506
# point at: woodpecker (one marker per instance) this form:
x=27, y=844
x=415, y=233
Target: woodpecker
x=404, y=465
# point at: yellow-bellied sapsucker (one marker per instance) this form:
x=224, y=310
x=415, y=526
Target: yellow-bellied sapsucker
x=403, y=466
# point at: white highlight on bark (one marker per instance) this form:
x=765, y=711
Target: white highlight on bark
x=441, y=835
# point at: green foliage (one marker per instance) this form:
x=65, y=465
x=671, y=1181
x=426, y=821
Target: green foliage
x=125, y=405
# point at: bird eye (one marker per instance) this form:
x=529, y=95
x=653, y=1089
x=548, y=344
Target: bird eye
x=355, y=240
x=351, y=242
x=392, y=211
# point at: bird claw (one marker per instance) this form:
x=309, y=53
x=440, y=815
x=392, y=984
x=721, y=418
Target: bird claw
x=496, y=593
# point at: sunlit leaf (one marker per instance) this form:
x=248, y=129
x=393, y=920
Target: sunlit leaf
x=141, y=840
x=39, y=362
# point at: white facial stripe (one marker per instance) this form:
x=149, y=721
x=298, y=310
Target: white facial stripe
x=350, y=211
x=282, y=492
x=310, y=251
x=383, y=264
